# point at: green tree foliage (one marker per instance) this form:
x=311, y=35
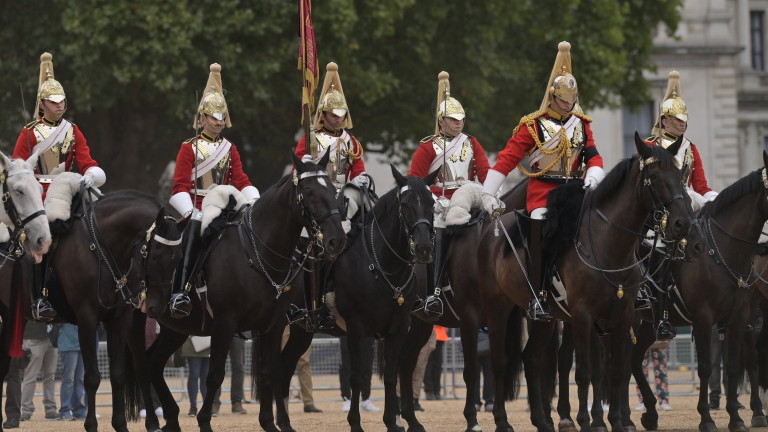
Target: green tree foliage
x=133, y=70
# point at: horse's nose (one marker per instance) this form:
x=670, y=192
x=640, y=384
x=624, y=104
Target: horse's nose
x=43, y=243
x=681, y=226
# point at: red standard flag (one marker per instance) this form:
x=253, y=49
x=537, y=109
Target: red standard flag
x=308, y=54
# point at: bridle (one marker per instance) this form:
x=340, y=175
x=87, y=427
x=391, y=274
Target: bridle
x=20, y=235
x=144, y=283
x=410, y=262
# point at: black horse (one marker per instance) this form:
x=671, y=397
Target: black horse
x=119, y=246
x=373, y=281
x=248, y=272
x=715, y=289
x=598, y=268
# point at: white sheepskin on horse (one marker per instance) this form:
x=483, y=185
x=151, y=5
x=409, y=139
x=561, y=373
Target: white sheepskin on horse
x=465, y=199
x=58, y=198
x=217, y=200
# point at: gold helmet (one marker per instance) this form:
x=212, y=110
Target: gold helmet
x=332, y=98
x=673, y=104
x=213, y=103
x=447, y=106
x=562, y=83
x=48, y=88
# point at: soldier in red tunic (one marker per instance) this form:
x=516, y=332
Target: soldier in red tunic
x=558, y=142
x=461, y=160
x=345, y=166
x=672, y=125
x=61, y=146
x=203, y=162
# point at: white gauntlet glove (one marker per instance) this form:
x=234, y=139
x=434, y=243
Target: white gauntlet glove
x=362, y=181
x=94, y=176
x=594, y=176
x=491, y=204
x=710, y=196
x=87, y=180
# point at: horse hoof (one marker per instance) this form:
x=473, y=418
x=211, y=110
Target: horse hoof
x=566, y=425
x=738, y=426
x=649, y=422
x=506, y=428
x=417, y=428
x=167, y=428
x=475, y=428
x=707, y=427
x=599, y=429
x=630, y=428
x=759, y=421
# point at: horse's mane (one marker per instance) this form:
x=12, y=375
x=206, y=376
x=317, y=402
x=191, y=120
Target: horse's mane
x=131, y=195
x=279, y=183
x=613, y=180
x=745, y=185
x=388, y=202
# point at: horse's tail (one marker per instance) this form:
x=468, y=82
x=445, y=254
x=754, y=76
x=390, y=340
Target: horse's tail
x=513, y=353
x=132, y=392
x=380, y=358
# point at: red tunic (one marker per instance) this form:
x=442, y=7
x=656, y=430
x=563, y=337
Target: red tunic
x=425, y=154
x=185, y=161
x=522, y=142
x=356, y=165
x=697, y=180
x=79, y=152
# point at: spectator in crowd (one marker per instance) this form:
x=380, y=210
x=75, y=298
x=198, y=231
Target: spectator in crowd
x=366, y=362
x=197, y=350
x=237, y=363
x=658, y=352
x=486, y=371
x=13, y=390
x=418, y=372
x=434, y=371
x=72, y=390
x=305, y=376
x=38, y=340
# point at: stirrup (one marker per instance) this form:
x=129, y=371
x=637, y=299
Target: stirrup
x=433, y=307
x=42, y=310
x=322, y=320
x=664, y=331
x=295, y=313
x=180, y=305
x=643, y=301
x=538, y=311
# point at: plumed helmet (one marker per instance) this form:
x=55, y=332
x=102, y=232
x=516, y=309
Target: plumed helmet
x=447, y=106
x=213, y=103
x=48, y=88
x=332, y=97
x=562, y=83
x=673, y=104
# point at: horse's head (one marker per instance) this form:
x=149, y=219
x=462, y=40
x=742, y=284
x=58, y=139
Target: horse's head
x=161, y=254
x=665, y=198
x=319, y=207
x=416, y=207
x=23, y=206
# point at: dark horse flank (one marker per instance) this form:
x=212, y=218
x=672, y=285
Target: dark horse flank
x=599, y=272
x=248, y=275
x=101, y=264
x=716, y=289
x=374, y=280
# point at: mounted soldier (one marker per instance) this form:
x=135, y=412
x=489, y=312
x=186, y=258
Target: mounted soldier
x=461, y=160
x=560, y=147
x=331, y=135
x=204, y=162
x=61, y=147
x=671, y=126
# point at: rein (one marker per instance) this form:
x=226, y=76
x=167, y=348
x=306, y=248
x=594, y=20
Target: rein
x=151, y=236
x=375, y=265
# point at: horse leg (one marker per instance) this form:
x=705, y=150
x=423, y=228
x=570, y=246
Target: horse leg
x=5, y=361
x=116, y=346
x=618, y=373
x=650, y=418
x=221, y=338
x=469, y=329
x=295, y=346
x=564, y=364
x=168, y=341
x=582, y=335
x=86, y=332
x=540, y=334
x=502, y=326
x=354, y=342
x=418, y=335
x=750, y=362
x=735, y=373
x=136, y=344
x=701, y=334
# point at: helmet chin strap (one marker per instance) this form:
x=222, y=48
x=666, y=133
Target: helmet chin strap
x=46, y=110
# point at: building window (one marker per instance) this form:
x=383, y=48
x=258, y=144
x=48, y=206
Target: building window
x=641, y=121
x=756, y=19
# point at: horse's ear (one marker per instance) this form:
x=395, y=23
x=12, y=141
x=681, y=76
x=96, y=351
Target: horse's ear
x=399, y=178
x=765, y=156
x=297, y=164
x=430, y=179
x=180, y=225
x=675, y=147
x=5, y=161
x=642, y=148
x=324, y=160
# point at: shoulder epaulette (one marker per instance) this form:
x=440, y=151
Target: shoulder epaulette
x=583, y=117
x=31, y=124
x=189, y=140
x=528, y=119
x=427, y=139
x=652, y=138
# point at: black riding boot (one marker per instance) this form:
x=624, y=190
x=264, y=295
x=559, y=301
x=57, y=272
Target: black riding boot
x=538, y=309
x=180, y=304
x=42, y=310
x=320, y=318
x=433, y=304
x=664, y=330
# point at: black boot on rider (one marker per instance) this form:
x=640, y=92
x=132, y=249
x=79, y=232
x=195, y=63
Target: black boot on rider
x=180, y=305
x=433, y=304
x=664, y=330
x=42, y=310
x=538, y=310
